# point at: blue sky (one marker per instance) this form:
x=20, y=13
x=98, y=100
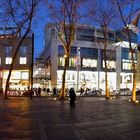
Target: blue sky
x=38, y=26
x=39, y=23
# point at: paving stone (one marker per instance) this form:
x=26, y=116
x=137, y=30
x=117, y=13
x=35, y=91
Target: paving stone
x=47, y=119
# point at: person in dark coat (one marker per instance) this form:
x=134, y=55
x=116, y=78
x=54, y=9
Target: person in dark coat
x=72, y=97
x=54, y=91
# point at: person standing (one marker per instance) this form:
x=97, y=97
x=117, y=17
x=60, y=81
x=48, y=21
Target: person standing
x=54, y=91
x=39, y=91
x=72, y=96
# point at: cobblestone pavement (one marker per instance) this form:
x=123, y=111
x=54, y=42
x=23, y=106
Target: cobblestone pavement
x=93, y=118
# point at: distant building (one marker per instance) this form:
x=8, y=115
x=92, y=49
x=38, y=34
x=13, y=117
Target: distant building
x=86, y=64
x=20, y=77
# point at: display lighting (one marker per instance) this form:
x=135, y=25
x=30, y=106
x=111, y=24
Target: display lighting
x=137, y=101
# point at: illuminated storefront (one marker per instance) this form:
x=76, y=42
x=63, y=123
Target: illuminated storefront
x=126, y=80
x=88, y=79
x=19, y=79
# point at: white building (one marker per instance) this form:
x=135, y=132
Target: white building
x=86, y=64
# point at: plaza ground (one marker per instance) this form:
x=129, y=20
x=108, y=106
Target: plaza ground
x=93, y=118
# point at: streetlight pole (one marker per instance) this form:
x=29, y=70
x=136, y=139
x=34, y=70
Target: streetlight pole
x=32, y=65
x=78, y=64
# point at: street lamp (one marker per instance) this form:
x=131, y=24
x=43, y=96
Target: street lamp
x=32, y=64
x=78, y=64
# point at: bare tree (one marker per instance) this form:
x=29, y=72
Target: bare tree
x=65, y=15
x=104, y=16
x=18, y=13
x=128, y=9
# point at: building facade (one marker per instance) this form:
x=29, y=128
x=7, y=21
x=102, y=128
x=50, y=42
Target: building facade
x=21, y=73
x=86, y=63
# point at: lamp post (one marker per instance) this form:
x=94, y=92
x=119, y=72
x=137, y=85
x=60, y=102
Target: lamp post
x=78, y=64
x=32, y=64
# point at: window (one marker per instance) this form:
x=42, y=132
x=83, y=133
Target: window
x=73, y=50
x=8, y=60
x=61, y=50
x=61, y=61
x=100, y=34
x=72, y=62
x=88, y=52
x=23, y=60
x=110, y=64
x=127, y=55
x=89, y=63
x=53, y=33
x=8, y=51
x=85, y=38
x=127, y=64
x=25, y=75
x=23, y=51
x=0, y=61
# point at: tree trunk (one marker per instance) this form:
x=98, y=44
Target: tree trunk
x=62, y=94
x=133, y=98
x=106, y=85
x=106, y=77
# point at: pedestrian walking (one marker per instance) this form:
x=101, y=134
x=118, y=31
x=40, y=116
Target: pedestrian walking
x=72, y=97
x=81, y=92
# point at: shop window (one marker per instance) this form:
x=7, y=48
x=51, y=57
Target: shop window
x=8, y=60
x=23, y=60
x=25, y=75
